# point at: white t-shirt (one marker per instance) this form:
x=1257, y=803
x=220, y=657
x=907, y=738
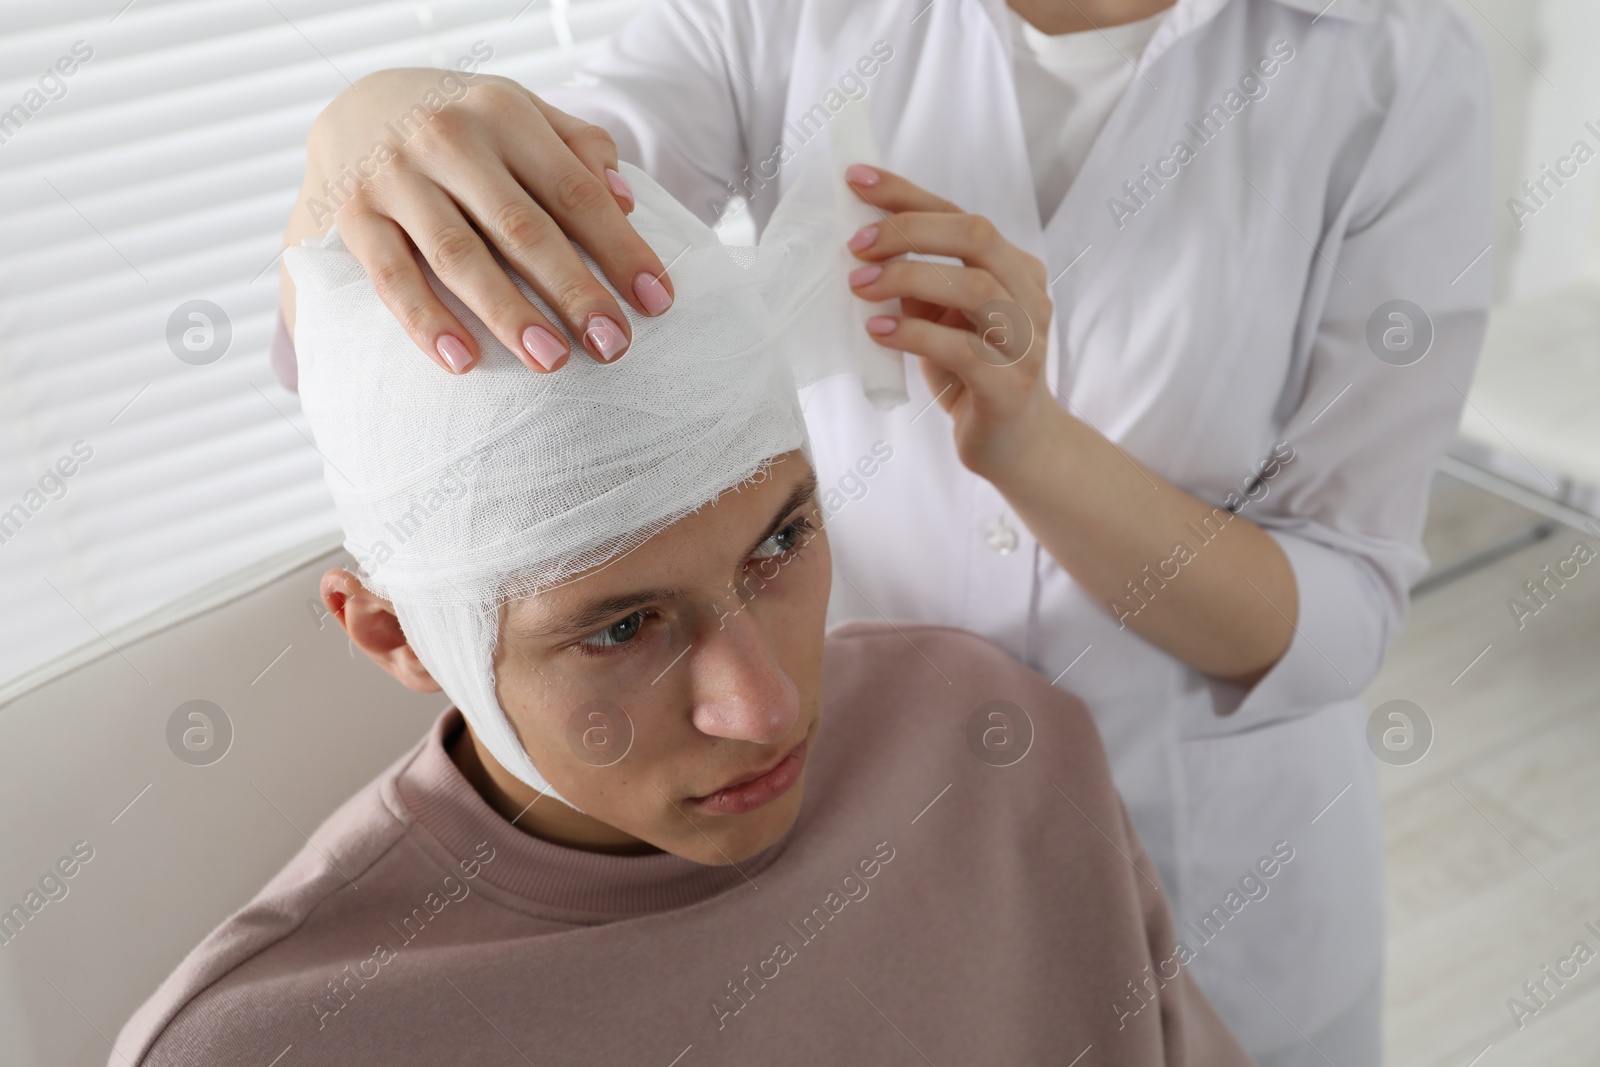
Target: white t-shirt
x=1067, y=84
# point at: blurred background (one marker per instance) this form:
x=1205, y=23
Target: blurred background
x=173, y=523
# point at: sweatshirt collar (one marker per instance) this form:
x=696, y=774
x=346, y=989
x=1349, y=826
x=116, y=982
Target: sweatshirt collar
x=564, y=884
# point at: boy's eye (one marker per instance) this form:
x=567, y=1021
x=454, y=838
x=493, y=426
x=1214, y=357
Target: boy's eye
x=782, y=542
x=618, y=633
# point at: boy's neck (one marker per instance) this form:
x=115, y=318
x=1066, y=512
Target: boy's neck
x=531, y=811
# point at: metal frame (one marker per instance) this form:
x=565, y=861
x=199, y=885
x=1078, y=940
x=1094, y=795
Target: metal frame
x=1554, y=514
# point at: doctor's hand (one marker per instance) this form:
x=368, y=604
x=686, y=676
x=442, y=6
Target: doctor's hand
x=980, y=328
x=981, y=331
x=493, y=167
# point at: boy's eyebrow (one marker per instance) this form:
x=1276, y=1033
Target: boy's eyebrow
x=595, y=612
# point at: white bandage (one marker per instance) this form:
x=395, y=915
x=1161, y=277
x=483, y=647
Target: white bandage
x=459, y=494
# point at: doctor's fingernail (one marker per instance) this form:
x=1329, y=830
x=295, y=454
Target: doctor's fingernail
x=882, y=324
x=605, y=338
x=863, y=237
x=865, y=275
x=860, y=174
x=546, y=349
x=651, y=293
x=619, y=185
x=454, y=353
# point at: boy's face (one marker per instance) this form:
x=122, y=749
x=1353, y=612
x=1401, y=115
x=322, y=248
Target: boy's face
x=645, y=689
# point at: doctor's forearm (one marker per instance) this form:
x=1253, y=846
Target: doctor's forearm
x=1204, y=584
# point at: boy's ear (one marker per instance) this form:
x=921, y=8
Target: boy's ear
x=373, y=626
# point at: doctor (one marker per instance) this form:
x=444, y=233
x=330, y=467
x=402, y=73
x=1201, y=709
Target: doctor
x=1230, y=259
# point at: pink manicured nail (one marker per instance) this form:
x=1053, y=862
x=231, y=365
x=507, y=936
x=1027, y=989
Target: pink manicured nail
x=605, y=338
x=863, y=237
x=860, y=174
x=865, y=275
x=454, y=353
x=882, y=324
x=619, y=185
x=546, y=349
x=651, y=293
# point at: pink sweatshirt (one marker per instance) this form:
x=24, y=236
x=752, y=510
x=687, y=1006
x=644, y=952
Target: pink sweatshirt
x=926, y=906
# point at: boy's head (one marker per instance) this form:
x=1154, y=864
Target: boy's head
x=647, y=686
x=586, y=561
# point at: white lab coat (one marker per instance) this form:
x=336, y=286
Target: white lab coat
x=1198, y=325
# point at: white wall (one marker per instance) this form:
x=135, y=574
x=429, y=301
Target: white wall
x=202, y=840
x=1546, y=84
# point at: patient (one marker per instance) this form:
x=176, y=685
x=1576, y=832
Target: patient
x=667, y=820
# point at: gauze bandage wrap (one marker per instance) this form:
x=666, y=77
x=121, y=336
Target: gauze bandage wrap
x=459, y=494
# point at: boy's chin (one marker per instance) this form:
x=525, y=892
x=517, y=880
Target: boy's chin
x=759, y=831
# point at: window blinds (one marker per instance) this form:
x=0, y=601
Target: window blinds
x=150, y=153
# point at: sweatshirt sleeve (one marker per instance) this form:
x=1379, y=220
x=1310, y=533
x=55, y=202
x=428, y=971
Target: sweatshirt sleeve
x=1391, y=358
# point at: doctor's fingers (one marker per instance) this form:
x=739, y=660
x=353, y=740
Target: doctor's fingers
x=888, y=191
x=539, y=246
x=511, y=161
x=1005, y=325
x=571, y=170
x=996, y=362
x=380, y=246
x=457, y=253
x=591, y=144
x=972, y=239
x=943, y=284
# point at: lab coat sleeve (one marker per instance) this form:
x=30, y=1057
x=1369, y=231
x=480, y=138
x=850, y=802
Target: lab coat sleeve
x=1348, y=508
x=684, y=88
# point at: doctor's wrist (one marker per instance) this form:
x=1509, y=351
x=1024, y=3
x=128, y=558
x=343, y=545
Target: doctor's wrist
x=1022, y=450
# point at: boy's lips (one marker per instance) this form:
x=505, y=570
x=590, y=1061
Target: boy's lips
x=758, y=787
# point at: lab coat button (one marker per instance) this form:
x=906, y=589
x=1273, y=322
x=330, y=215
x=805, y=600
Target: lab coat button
x=1001, y=536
